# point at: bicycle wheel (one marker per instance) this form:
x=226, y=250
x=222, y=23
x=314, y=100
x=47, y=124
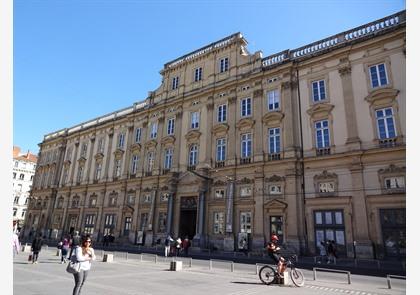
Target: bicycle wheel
x=297, y=277
x=267, y=275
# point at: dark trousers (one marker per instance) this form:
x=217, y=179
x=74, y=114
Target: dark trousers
x=71, y=251
x=63, y=254
x=79, y=280
x=35, y=256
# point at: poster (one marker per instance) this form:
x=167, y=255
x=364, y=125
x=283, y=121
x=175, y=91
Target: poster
x=242, y=241
x=139, y=237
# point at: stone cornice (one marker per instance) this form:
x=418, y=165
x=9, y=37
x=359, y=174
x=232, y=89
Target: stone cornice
x=220, y=128
x=193, y=134
x=245, y=123
x=170, y=139
x=273, y=116
x=382, y=96
x=321, y=109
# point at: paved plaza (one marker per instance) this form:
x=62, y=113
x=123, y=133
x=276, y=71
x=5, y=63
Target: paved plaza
x=132, y=274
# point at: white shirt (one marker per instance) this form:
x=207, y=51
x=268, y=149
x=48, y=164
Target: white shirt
x=83, y=259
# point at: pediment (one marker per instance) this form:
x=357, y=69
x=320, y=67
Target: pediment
x=276, y=204
x=135, y=147
x=245, y=123
x=192, y=134
x=151, y=144
x=220, y=128
x=118, y=153
x=325, y=175
x=219, y=183
x=275, y=178
x=81, y=160
x=99, y=156
x=245, y=180
x=128, y=209
x=392, y=169
x=276, y=116
x=188, y=178
x=320, y=110
x=170, y=139
x=382, y=96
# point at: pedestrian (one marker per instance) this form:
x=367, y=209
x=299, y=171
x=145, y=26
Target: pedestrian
x=105, y=241
x=168, y=242
x=330, y=252
x=74, y=242
x=334, y=249
x=36, y=247
x=64, y=250
x=322, y=252
x=185, y=245
x=85, y=255
x=16, y=244
x=178, y=243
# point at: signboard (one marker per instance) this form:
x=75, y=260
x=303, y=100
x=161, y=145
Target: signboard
x=242, y=241
x=139, y=237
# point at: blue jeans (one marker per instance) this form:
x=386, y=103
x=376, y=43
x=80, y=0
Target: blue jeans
x=79, y=280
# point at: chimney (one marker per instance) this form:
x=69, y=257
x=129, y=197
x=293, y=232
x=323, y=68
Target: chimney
x=16, y=151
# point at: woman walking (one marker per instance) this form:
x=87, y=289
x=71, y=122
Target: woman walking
x=64, y=250
x=84, y=255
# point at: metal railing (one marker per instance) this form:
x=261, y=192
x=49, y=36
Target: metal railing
x=332, y=270
x=388, y=279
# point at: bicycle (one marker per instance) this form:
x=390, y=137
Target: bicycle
x=269, y=274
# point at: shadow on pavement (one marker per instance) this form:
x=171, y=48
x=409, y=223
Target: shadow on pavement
x=248, y=283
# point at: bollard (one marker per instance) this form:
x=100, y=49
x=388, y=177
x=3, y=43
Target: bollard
x=256, y=269
x=210, y=266
x=190, y=262
x=388, y=280
x=126, y=255
x=141, y=257
x=355, y=263
x=156, y=258
x=232, y=266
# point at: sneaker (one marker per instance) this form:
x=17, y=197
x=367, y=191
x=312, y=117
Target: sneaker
x=62, y=262
x=36, y=262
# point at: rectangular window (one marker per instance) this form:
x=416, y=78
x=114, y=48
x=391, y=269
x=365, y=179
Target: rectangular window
x=150, y=161
x=121, y=139
x=198, y=74
x=246, y=107
x=318, y=90
x=117, y=170
x=221, y=113
x=14, y=175
x=83, y=152
x=274, y=140
x=326, y=187
x=65, y=176
x=137, y=137
x=219, y=193
x=153, y=130
x=100, y=145
x=131, y=199
x=98, y=169
x=195, y=120
x=322, y=134
x=395, y=182
x=168, y=159
x=246, y=225
x=378, y=75
x=221, y=149
x=171, y=126
x=219, y=223
x=134, y=164
x=193, y=155
x=274, y=189
x=246, y=145
x=162, y=222
x=245, y=191
x=273, y=100
x=127, y=225
x=89, y=223
x=79, y=174
x=175, y=81
x=224, y=64
x=68, y=155
x=110, y=220
x=385, y=123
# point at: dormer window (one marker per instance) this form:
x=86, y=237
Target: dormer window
x=198, y=72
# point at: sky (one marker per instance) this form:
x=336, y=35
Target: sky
x=75, y=60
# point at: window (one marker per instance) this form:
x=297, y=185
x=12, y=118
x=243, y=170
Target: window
x=246, y=145
x=245, y=191
x=32, y=177
x=153, y=130
x=273, y=99
x=221, y=149
x=113, y=200
x=147, y=198
x=83, y=152
x=175, y=81
x=110, y=220
x=65, y=175
x=100, y=145
x=322, y=134
x=395, y=182
x=68, y=155
x=318, y=90
x=121, y=139
x=89, y=223
x=22, y=176
x=192, y=160
x=245, y=222
x=16, y=201
x=275, y=189
x=14, y=175
x=131, y=199
x=143, y=220
x=19, y=187
x=127, y=225
x=134, y=164
x=329, y=225
x=137, y=137
x=162, y=222
x=246, y=107
x=195, y=120
x=164, y=197
x=274, y=140
x=98, y=169
x=117, y=168
x=221, y=113
x=219, y=223
x=92, y=201
x=326, y=187
x=75, y=202
x=14, y=211
x=150, y=161
x=385, y=123
x=224, y=64
x=378, y=75
x=198, y=74
x=23, y=214
x=79, y=174
x=16, y=164
x=219, y=193
x=171, y=126
x=168, y=159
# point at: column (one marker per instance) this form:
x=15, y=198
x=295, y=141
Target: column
x=258, y=218
x=288, y=124
x=90, y=159
x=169, y=213
x=349, y=108
x=229, y=240
x=126, y=166
x=231, y=140
x=258, y=134
x=199, y=239
x=178, y=140
x=108, y=153
x=208, y=130
x=158, y=155
x=73, y=163
x=150, y=220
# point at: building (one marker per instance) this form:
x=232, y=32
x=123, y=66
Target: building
x=24, y=166
x=307, y=143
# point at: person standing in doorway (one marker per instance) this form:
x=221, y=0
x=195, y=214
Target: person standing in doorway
x=36, y=247
x=85, y=255
x=185, y=245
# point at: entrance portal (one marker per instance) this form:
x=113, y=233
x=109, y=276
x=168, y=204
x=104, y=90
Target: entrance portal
x=188, y=217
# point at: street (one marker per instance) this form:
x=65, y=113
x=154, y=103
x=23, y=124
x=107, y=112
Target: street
x=129, y=274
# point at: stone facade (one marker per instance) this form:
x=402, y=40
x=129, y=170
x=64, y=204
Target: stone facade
x=307, y=143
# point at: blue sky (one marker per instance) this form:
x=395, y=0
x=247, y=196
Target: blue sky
x=75, y=60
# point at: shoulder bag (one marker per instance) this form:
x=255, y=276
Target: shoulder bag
x=73, y=266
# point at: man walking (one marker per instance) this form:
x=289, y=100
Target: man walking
x=36, y=247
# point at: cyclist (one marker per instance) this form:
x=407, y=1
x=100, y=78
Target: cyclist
x=273, y=249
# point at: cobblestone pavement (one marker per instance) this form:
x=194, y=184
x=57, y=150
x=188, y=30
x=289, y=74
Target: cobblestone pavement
x=127, y=275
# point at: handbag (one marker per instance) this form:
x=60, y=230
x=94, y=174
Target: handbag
x=30, y=257
x=73, y=266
